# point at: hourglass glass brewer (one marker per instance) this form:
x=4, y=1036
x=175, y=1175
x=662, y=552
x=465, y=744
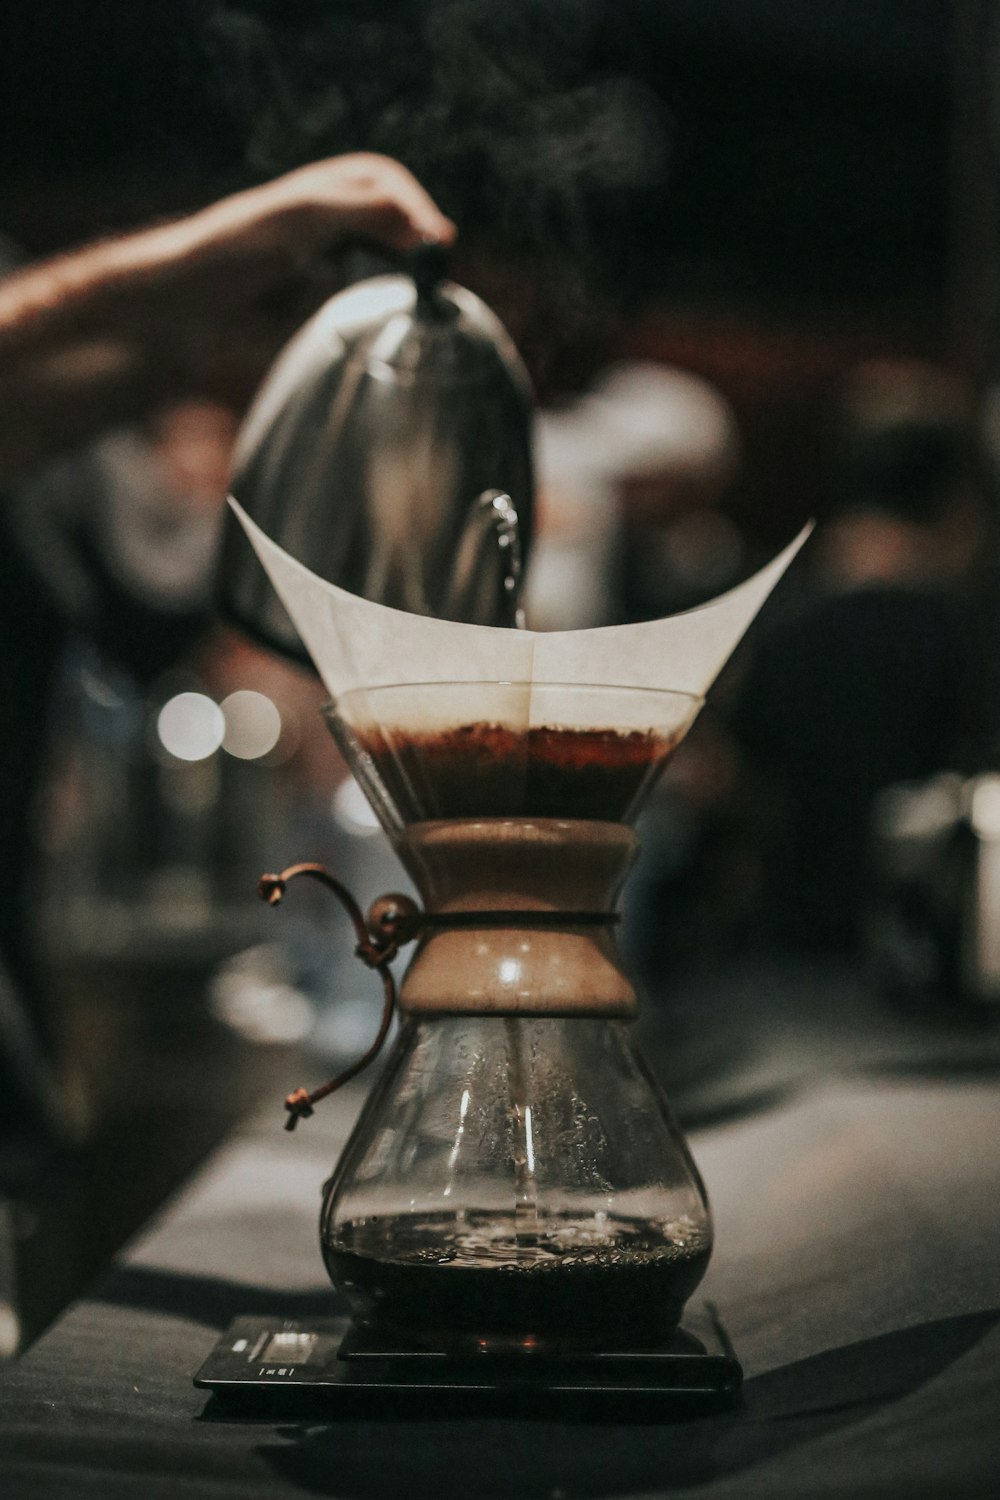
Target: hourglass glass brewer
x=516, y=1195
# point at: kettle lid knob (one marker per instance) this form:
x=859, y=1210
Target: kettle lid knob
x=428, y=267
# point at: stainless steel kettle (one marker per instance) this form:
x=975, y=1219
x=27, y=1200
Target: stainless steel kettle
x=390, y=451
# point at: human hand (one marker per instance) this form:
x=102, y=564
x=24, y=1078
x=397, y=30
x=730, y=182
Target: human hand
x=242, y=275
x=310, y=211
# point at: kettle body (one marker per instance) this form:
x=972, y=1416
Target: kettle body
x=369, y=449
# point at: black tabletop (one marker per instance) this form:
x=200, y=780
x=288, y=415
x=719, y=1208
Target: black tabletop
x=856, y=1269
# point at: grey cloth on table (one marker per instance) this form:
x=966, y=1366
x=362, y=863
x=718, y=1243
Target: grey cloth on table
x=856, y=1269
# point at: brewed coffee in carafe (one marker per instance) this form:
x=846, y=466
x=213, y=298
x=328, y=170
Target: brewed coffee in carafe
x=517, y=1180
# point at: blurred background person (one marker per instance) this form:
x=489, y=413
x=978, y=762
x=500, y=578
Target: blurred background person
x=123, y=368
x=630, y=477
x=123, y=329
x=873, y=679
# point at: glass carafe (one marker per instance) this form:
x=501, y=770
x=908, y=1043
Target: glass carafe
x=516, y=1179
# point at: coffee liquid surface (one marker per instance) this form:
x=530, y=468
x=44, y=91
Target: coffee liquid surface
x=574, y=1282
x=490, y=770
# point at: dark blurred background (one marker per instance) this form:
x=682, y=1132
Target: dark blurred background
x=824, y=187
x=792, y=208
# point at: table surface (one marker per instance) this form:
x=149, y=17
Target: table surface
x=856, y=1269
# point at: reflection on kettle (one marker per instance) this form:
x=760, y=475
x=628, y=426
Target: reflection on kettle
x=390, y=451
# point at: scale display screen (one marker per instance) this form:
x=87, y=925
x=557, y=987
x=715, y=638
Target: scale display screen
x=290, y=1347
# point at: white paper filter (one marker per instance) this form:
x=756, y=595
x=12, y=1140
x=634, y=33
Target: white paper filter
x=355, y=643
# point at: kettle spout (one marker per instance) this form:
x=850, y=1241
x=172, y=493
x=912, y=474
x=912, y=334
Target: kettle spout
x=490, y=541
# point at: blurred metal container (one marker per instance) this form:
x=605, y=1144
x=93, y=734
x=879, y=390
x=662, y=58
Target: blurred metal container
x=381, y=452
x=935, y=927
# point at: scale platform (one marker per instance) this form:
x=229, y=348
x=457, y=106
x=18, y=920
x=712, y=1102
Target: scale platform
x=328, y=1366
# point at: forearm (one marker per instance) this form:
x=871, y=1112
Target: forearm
x=85, y=341
x=103, y=335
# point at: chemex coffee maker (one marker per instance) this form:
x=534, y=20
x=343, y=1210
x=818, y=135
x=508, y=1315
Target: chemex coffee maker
x=516, y=1207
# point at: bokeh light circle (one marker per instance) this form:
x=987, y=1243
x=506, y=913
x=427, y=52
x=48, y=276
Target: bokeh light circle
x=252, y=724
x=190, y=726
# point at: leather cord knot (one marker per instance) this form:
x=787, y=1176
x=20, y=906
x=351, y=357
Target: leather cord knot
x=392, y=921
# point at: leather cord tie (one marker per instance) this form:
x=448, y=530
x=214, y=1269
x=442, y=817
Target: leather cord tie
x=394, y=920
x=391, y=922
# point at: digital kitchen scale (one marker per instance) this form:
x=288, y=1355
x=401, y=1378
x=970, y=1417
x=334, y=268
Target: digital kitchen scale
x=264, y=1365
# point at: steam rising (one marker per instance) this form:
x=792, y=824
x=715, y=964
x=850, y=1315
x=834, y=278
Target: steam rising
x=504, y=110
